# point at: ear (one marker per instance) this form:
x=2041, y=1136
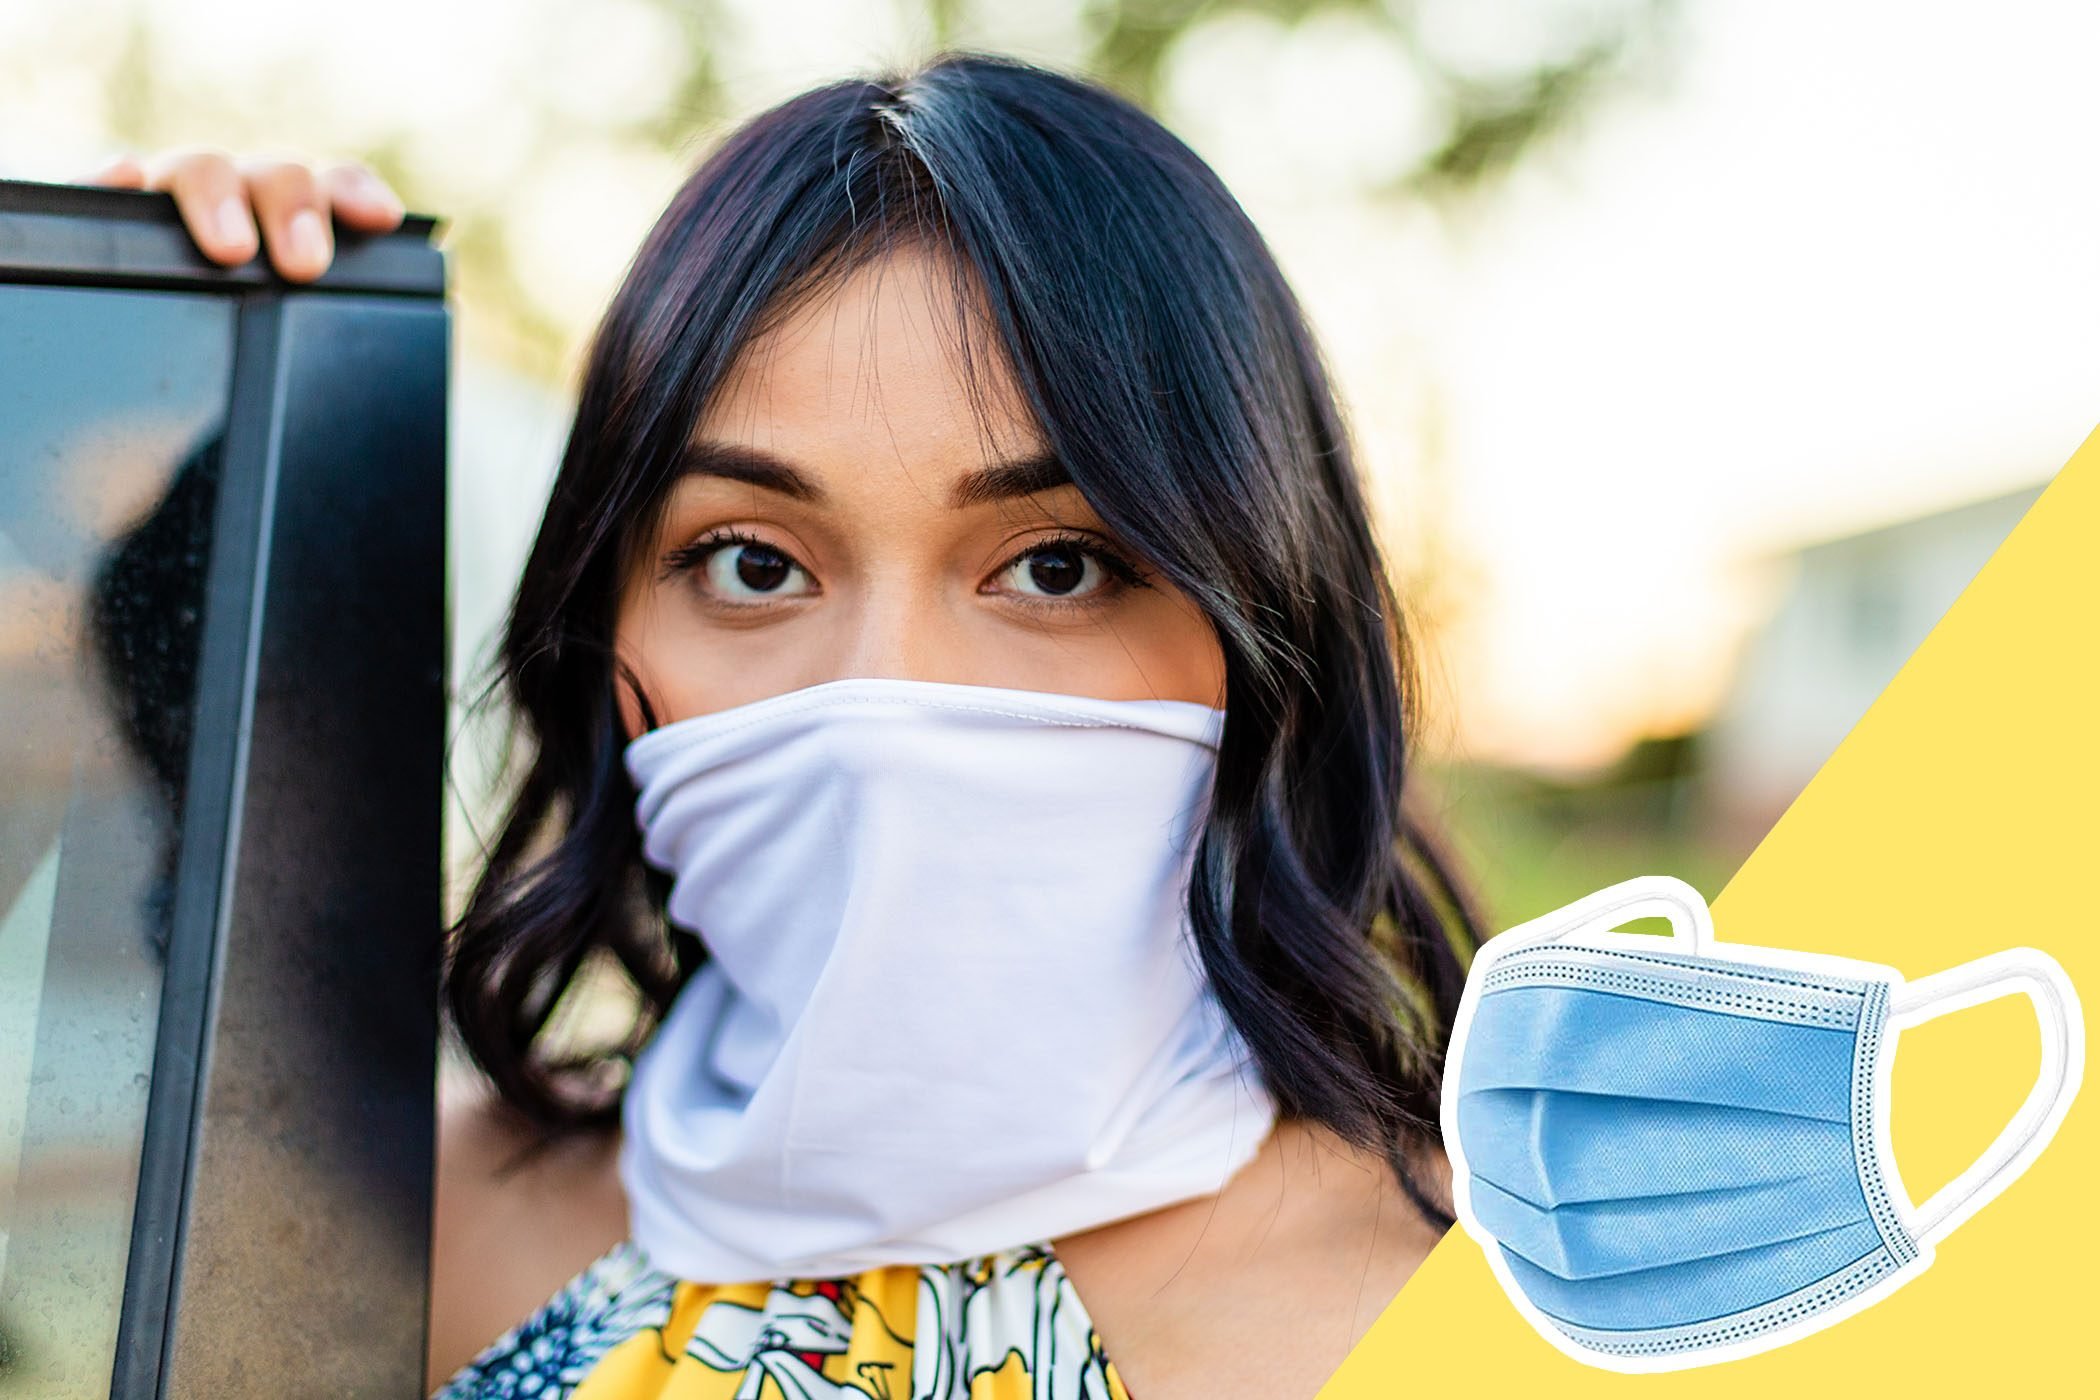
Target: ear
x=639, y=711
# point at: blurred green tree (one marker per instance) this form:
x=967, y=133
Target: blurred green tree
x=507, y=117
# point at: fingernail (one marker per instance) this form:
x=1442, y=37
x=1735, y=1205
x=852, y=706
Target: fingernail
x=309, y=239
x=234, y=225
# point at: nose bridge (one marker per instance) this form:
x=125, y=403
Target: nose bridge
x=899, y=628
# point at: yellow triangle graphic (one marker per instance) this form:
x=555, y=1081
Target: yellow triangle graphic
x=1961, y=816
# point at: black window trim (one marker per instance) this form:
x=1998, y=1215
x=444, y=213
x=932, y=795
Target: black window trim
x=85, y=235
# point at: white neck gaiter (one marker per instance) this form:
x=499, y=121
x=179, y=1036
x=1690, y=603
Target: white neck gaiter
x=952, y=1005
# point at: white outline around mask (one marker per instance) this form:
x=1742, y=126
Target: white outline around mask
x=2027, y=971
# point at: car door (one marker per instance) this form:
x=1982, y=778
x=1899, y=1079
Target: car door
x=222, y=624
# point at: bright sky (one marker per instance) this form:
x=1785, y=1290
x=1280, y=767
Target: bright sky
x=1842, y=271
x=1849, y=274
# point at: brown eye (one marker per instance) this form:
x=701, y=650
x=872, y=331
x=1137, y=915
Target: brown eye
x=760, y=568
x=1058, y=570
x=742, y=569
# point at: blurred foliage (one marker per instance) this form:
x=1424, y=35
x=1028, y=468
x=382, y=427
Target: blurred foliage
x=1491, y=118
x=1529, y=843
x=1524, y=71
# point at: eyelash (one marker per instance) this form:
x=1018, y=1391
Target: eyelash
x=696, y=552
x=1120, y=568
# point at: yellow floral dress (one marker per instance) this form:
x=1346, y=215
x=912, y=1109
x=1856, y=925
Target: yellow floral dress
x=1003, y=1326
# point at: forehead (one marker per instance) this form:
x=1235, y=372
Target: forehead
x=884, y=358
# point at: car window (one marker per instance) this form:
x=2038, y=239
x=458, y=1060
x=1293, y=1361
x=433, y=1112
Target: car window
x=113, y=403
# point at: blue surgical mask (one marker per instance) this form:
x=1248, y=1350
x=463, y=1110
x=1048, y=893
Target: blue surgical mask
x=1677, y=1151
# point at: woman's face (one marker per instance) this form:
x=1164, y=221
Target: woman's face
x=843, y=514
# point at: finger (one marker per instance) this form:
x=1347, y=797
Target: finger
x=293, y=211
x=361, y=199
x=122, y=172
x=212, y=198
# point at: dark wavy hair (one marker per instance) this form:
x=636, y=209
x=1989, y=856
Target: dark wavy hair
x=1170, y=366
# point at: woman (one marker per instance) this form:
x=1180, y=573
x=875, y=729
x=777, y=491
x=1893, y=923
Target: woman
x=966, y=697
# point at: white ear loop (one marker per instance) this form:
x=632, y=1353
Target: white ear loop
x=2039, y=977
x=1664, y=896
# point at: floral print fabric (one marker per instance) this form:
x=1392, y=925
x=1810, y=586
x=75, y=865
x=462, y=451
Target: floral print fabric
x=1004, y=1326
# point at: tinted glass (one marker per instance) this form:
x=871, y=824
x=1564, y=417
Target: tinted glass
x=111, y=408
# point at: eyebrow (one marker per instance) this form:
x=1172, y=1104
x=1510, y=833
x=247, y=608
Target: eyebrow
x=1019, y=476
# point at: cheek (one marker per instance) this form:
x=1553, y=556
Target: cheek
x=667, y=661
x=1175, y=647
x=689, y=665
x=1155, y=645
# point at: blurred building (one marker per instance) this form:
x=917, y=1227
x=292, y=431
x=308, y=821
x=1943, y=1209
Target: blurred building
x=1857, y=607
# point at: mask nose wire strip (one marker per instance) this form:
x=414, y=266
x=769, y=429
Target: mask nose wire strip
x=2040, y=978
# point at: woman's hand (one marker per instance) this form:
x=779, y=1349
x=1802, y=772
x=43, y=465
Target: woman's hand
x=224, y=198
